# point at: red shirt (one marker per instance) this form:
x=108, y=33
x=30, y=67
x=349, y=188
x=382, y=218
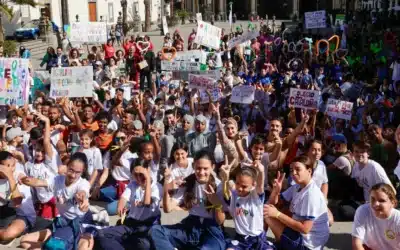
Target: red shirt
x=109, y=51
x=127, y=46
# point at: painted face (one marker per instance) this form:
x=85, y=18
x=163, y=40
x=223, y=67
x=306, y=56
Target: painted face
x=244, y=184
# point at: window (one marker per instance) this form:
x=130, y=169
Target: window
x=111, y=12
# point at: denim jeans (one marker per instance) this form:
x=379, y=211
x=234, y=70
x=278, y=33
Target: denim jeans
x=109, y=194
x=192, y=232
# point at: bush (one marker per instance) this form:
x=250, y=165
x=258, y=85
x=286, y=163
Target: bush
x=9, y=47
x=173, y=21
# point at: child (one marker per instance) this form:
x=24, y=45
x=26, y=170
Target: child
x=246, y=206
x=181, y=166
x=201, y=229
x=143, y=195
x=93, y=154
x=18, y=196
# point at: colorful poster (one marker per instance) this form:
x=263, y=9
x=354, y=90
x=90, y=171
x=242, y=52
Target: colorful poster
x=179, y=66
x=303, y=98
x=72, y=82
x=201, y=82
x=14, y=81
x=208, y=35
x=243, y=38
x=91, y=32
x=215, y=95
x=339, y=109
x=243, y=94
x=315, y=19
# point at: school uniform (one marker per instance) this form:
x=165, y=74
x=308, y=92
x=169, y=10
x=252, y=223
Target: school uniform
x=198, y=230
x=306, y=203
x=374, y=232
x=247, y=213
x=181, y=173
x=133, y=234
x=95, y=159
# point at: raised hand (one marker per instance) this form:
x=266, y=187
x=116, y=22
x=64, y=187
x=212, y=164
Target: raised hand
x=278, y=182
x=212, y=196
x=258, y=166
x=226, y=168
x=304, y=116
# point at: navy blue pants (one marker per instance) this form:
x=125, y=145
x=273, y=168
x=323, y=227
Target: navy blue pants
x=192, y=232
x=132, y=235
x=259, y=242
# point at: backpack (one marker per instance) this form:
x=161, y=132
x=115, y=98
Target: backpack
x=63, y=239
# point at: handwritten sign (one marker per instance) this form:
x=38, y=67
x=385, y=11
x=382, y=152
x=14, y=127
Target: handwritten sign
x=191, y=56
x=315, y=19
x=243, y=38
x=91, y=32
x=208, y=35
x=243, y=94
x=184, y=75
x=201, y=82
x=180, y=66
x=164, y=25
x=303, y=98
x=72, y=82
x=339, y=109
x=14, y=81
x=215, y=96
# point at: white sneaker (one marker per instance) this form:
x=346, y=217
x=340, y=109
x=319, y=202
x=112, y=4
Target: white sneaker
x=102, y=218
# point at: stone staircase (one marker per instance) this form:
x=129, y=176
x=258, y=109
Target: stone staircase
x=37, y=47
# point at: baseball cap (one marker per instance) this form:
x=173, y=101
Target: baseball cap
x=12, y=133
x=339, y=138
x=137, y=125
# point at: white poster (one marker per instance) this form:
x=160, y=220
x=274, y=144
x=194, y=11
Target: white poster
x=164, y=25
x=208, y=35
x=243, y=38
x=184, y=75
x=215, y=95
x=191, y=56
x=180, y=66
x=315, y=19
x=243, y=94
x=304, y=98
x=339, y=109
x=201, y=82
x=90, y=32
x=199, y=17
x=72, y=82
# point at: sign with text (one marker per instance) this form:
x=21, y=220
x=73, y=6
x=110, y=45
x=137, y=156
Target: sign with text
x=91, y=32
x=243, y=38
x=243, y=94
x=199, y=17
x=201, y=82
x=184, y=75
x=215, y=95
x=180, y=66
x=208, y=35
x=72, y=82
x=164, y=25
x=339, y=109
x=14, y=81
x=191, y=56
x=303, y=98
x=315, y=19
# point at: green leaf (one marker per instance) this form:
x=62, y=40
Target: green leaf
x=6, y=10
x=24, y=2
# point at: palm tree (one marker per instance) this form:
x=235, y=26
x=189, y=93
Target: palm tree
x=124, y=5
x=7, y=11
x=147, y=16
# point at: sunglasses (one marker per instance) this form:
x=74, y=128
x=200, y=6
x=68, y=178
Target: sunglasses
x=121, y=138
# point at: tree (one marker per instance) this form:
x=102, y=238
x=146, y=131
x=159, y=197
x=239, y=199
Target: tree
x=147, y=16
x=7, y=11
x=124, y=5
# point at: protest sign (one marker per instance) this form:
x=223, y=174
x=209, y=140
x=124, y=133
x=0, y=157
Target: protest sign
x=243, y=38
x=340, y=19
x=90, y=32
x=208, y=35
x=120, y=70
x=261, y=96
x=14, y=81
x=199, y=17
x=201, y=82
x=339, y=109
x=315, y=19
x=243, y=94
x=164, y=25
x=303, y=98
x=179, y=66
x=191, y=56
x=72, y=82
x=215, y=95
x=184, y=75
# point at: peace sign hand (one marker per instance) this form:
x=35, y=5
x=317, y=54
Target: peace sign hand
x=278, y=182
x=212, y=196
x=304, y=116
x=226, y=169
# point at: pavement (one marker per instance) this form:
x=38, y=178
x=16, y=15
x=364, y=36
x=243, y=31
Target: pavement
x=340, y=237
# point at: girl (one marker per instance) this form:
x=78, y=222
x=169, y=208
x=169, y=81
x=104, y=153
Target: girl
x=143, y=195
x=376, y=224
x=71, y=192
x=246, y=205
x=201, y=229
x=308, y=227
x=180, y=164
x=93, y=155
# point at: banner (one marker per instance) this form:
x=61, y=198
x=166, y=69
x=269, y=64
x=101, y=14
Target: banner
x=243, y=38
x=72, y=82
x=14, y=81
x=339, y=109
x=179, y=66
x=164, y=25
x=243, y=94
x=208, y=35
x=184, y=75
x=303, y=98
x=201, y=82
x=191, y=56
x=215, y=95
x=91, y=32
x=315, y=19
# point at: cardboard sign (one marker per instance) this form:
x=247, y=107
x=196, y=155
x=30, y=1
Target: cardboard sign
x=90, y=32
x=201, y=82
x=179, y=66
x=199, y=17
x=164, y=25
x=208, y=35
x=215, y=96
x=339, y=109
x=14, y=81
x=184, y=75
x=303, y=98
x=243, y=94
x=315, y=19
x=143, y=64
x=243, y=38
x=72, y=82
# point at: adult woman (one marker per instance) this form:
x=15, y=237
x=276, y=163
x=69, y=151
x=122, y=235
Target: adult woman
x=127, y=45
x=308, y=227
x=377, y=223
x=48, y=58
x=119, y=58
x=110, y=70
x=131, y=62
x=109, y=50
x=201, y=229
x=72, y=193
x=74, y=57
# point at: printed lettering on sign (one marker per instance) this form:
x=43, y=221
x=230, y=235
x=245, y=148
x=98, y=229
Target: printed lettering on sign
x=339, y=109
x=243, y=94
x=303, y=98
x=201, y=82
x=14, y=81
